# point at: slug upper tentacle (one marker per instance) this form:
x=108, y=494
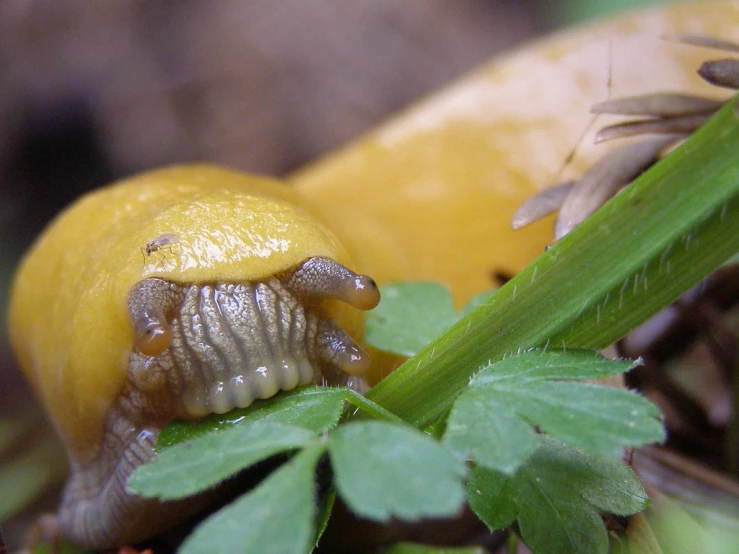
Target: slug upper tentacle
x=150, y=303
x=324, y=278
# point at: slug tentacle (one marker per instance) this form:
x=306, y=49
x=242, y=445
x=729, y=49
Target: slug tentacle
x=150, y=304
x=324, y=278
x=338, y=349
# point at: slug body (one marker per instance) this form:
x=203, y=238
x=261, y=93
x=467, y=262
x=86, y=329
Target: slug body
x=253, y=299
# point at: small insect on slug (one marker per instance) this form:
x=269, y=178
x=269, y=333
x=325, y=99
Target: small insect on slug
x=258, y=299
x=161, y=242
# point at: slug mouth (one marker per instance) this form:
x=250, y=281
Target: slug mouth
x=202, y=349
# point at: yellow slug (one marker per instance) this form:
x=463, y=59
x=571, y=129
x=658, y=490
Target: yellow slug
x=194, y=289
x=240, y=304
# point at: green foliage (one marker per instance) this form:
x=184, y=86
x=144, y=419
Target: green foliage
x=408, y=475
x=315, y=408
x=413, y=476
x=491, y=420
x=383, y=469
x=556, y=496
x=410, y=316
x=494, y=437
x=277, y=516
x=202, y=463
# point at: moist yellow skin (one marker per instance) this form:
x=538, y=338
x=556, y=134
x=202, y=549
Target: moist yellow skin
x=231, y=227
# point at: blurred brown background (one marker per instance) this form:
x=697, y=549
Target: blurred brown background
x=90, y=91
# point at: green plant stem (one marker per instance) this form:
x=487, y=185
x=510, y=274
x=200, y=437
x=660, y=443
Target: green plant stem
x=511, y=542
x=370, y=408
x=660, y=236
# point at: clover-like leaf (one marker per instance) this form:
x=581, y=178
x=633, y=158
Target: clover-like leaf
x=196, y=465
x=412, y=314
x=277, y=516
x=493, y=437
x=491, y=421
x=557, y=496
x=384, y=470
x=409, y=316
x=315, y=408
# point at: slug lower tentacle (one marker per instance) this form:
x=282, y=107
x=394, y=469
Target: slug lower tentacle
x=324, y=278
x=150, y=306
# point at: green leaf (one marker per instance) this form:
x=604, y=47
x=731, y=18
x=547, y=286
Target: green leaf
x=383, y=471
x=371, y=408
x=550, y=526
x=552, y=364
x=491, y=421
x=480, y=427
x=556, y=496
x=491, y=495
x=409, y=316
x=475, y=301
x=598, y=419
x=315, y=408
x=323, y=512
x=194, y=466
x=414, y=548
x=277, y=516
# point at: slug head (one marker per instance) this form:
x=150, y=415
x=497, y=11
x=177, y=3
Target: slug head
x=228, y=344
x=69, y=323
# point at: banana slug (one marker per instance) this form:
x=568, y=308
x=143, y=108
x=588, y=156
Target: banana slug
x=251, y=298
x=427, y=196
